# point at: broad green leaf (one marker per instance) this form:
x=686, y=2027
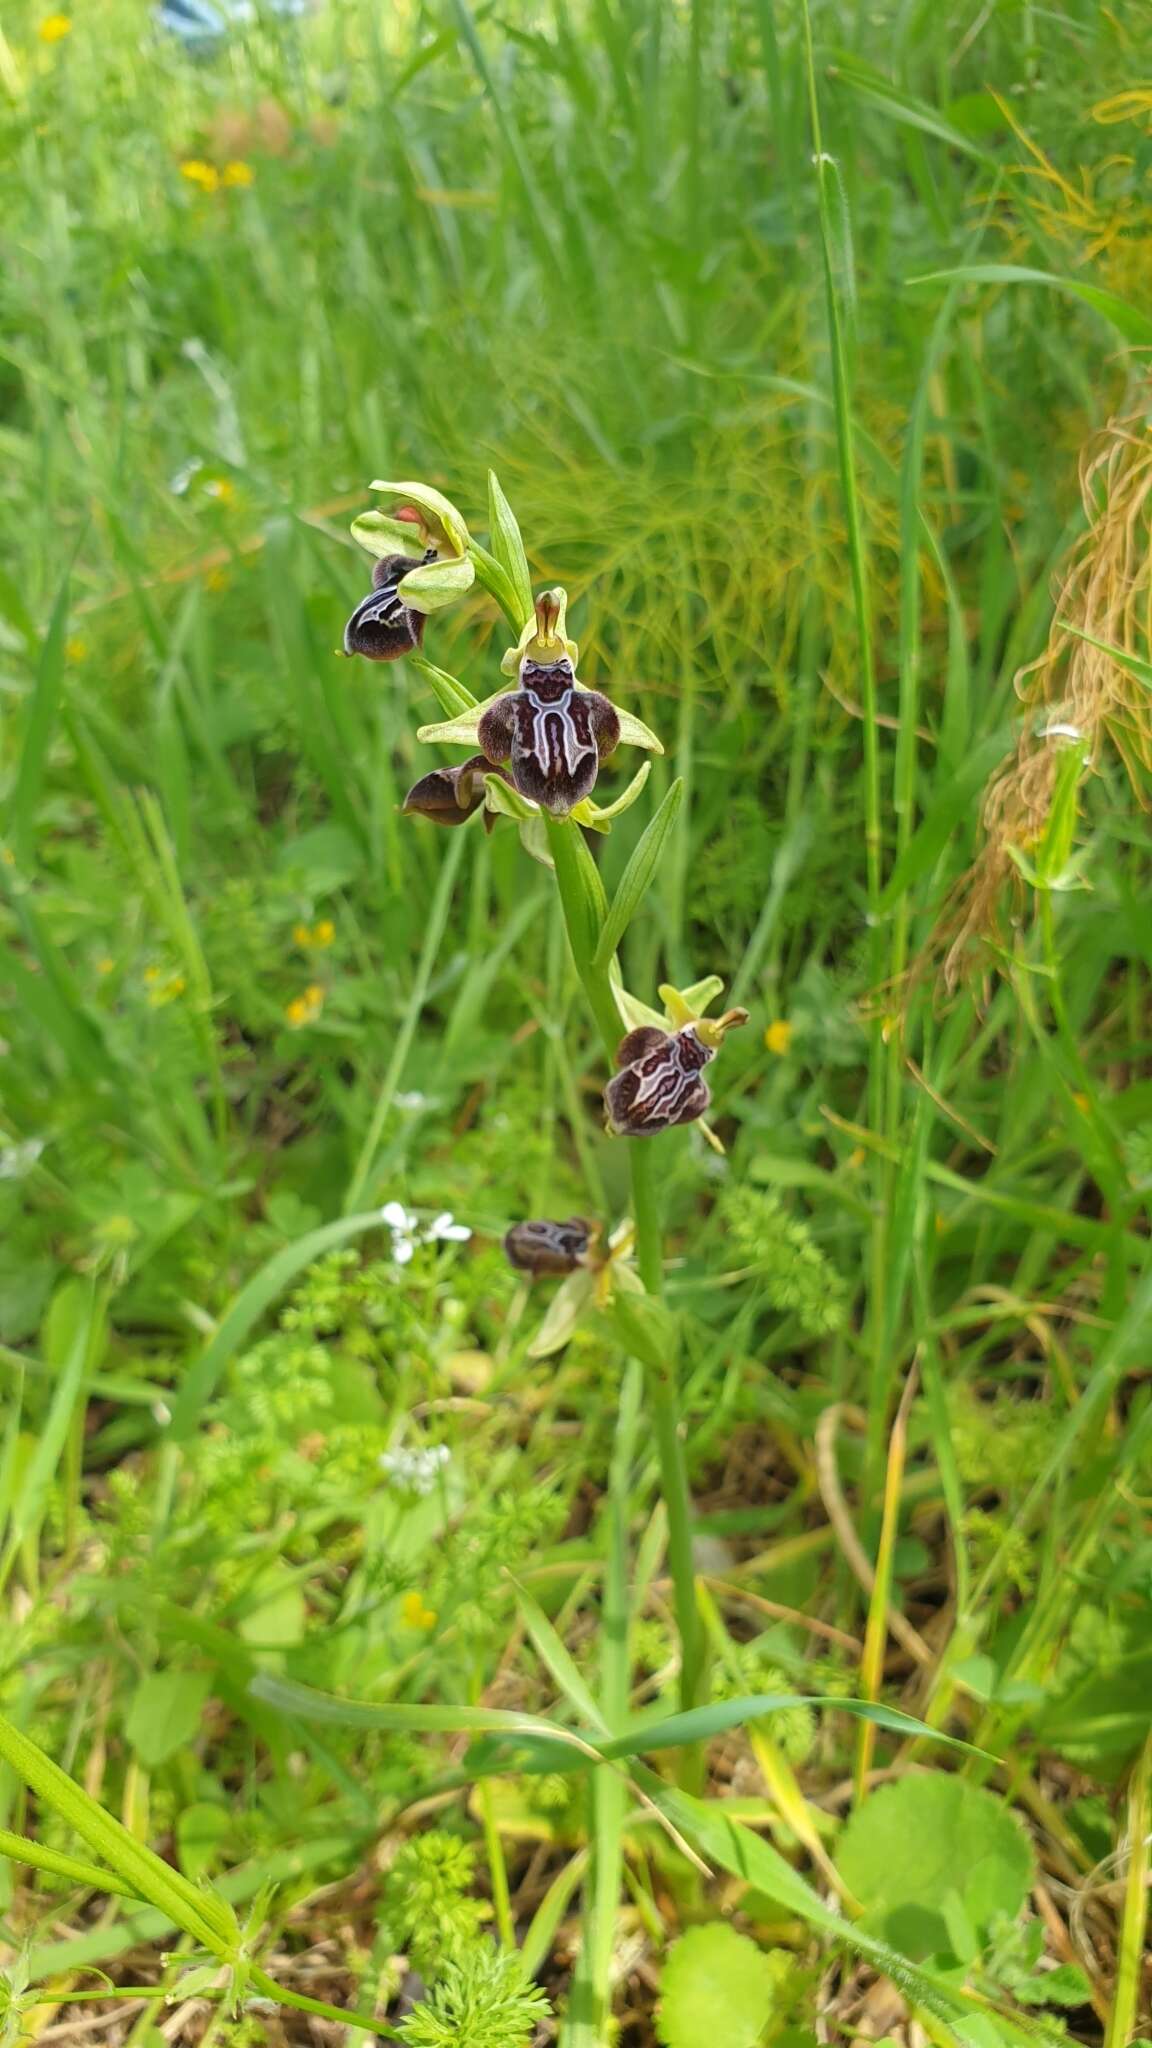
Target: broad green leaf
x=719, y=1986
x=165, y=1714
x=912, y=1844
x=494, y=579
x=508, y=547
x=453, y=698
x=1129, y=321
x=637, y=876
x=736, y=1849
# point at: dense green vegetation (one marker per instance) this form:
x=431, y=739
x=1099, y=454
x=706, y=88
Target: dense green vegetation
x=833, y=435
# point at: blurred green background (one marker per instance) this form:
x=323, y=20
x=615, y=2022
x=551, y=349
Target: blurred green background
x=577, y=242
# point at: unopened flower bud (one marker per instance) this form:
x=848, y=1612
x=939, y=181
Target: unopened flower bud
x=541, y=1246
x=450, y=796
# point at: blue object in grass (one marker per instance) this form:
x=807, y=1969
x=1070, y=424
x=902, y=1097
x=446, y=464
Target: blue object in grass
x=202, y=25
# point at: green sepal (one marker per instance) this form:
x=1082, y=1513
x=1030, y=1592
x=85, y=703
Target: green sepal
x=534, y=840
x=569, y=1303
x=508, y=547
x=381, y=535
x=508, y=801
x=439, y=513
x=634, y=732
x=431, y=585
x=698, y=997
x=595, y=815
x=460, y=730
x=633, y=1013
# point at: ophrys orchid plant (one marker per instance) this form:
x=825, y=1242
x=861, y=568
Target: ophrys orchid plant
x=535, y=751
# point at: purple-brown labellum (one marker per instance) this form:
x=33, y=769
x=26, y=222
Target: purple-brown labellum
x=383, y=627
x=540, y=1246
x=661, y=1082
x=553, y=735
x=450, y=796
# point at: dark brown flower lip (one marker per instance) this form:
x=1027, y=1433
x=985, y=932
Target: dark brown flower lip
x=552, y=734
x=383, y=627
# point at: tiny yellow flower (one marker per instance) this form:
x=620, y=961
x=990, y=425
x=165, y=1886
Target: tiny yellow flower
x=54, y=28
x=415, y=1614
x=105, y=964
x=778, y=1037
x=205, y=176
x=302, y=935
x=237, y=174
x=76, y=649
x=163, y=991
x=323, y=933
x=305, y=1009
x=222, y=489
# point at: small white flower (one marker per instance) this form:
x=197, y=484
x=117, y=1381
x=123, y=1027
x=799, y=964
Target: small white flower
x=404, y=1229
x=415, y=1471
x=411, y=1100
x=408, y=1231
x=446, y=1230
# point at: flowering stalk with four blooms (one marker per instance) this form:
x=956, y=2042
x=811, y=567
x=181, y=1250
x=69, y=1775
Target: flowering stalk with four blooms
x=536, y=749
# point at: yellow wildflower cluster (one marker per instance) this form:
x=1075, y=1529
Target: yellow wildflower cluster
x=54, y=28
x=305, y=1009
x=314, y=937
x=415, y=1614
x=207, y=178
x=778, y=1037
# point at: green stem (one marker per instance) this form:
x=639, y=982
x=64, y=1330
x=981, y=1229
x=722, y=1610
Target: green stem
x=583, y=923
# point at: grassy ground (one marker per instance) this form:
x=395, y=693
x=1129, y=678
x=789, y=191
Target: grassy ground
x=814, y=526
